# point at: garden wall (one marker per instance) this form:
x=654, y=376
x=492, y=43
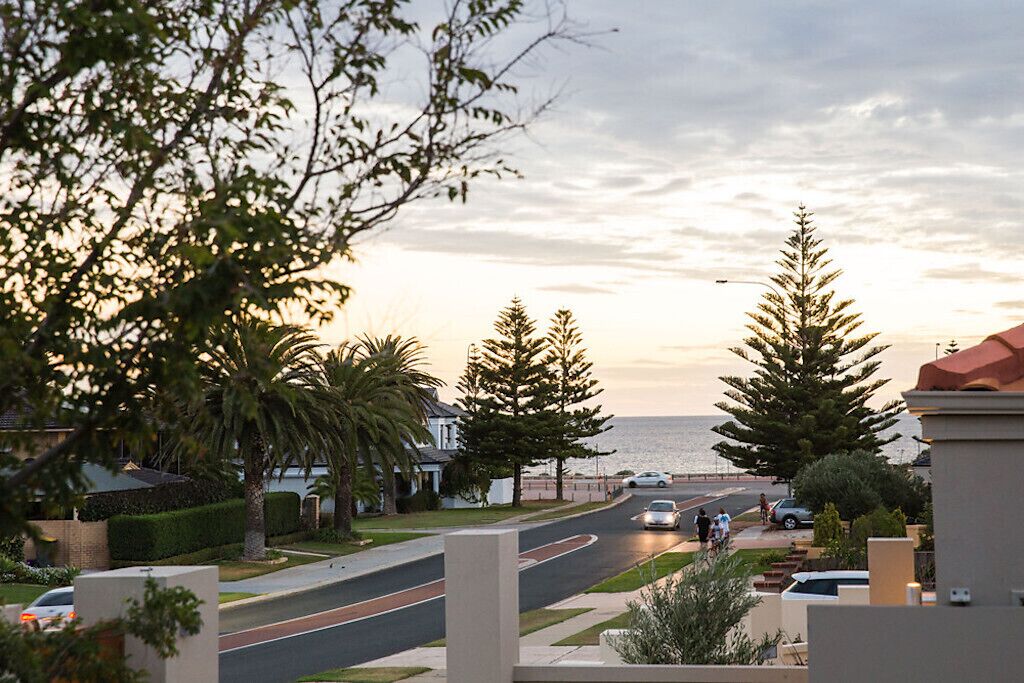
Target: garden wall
x=80, y=544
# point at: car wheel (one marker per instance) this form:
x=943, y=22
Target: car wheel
x=790, y=523
x=661, y=484
x=632, y=484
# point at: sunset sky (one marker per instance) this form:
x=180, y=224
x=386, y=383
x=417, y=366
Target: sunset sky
x=680, y=147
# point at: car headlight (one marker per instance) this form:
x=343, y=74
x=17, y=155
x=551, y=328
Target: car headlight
x=648, y=517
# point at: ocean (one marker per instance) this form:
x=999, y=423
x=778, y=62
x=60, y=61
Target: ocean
x=683, y=445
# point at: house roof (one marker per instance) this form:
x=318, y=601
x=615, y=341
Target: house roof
x=435, y=456
x=923, y=460
x=996, y=364
x=436, y=408
x=19, y=418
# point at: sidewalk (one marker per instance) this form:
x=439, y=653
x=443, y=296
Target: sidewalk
x=335, y=569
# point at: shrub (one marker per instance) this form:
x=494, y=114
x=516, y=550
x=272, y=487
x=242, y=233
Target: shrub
x=162, y=498
x=12, y=571
x=693, y=619
x=857, y=483
x=827, y=526
x=421, y=501
x=177, y=532
x=13, y=548
x=879, y=523
x=624, y=473
x=928, y=532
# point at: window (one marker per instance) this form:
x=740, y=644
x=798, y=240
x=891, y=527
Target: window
x=56, y=600
x=817, y=587
x=662, y=507
x=786, y=503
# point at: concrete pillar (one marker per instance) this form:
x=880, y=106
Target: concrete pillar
x=481, y=570
x=102, y=596
x=977, y=442
x=765, y=617
x=891, y=567
x=606, y=640
x=435, y=480
x=855, y=595
x=311, y=512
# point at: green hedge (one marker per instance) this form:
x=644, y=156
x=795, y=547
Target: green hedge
x=421, y=501
x=141, y=538
x=162, y=498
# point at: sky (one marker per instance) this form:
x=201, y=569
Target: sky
x=680, y=146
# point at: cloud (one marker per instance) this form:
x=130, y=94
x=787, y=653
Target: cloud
x=671, y=186
x=576, y=289
x=973, y=272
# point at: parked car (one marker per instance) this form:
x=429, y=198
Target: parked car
x=823, y=585
x=51, y=609
x=659, y=479
x=661, y=514
x=790, y=514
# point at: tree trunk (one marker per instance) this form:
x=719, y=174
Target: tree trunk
x=255, y=529
x=343, y=499
x=517, y=485
x=390, y=506
x=559, y=474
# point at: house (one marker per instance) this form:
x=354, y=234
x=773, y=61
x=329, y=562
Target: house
x=922, y=465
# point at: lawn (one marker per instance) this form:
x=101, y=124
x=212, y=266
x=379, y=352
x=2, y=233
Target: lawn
x=236, y=570
x=384, y=674
x=634, y=578
x=591, y=636
x=571, y=510
x=534, y=620
x=455, y=517
x=379, y=538
x=760, y=559
x=20, y=593
x=232, y=596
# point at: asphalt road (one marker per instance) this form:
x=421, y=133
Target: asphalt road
x=621, y=544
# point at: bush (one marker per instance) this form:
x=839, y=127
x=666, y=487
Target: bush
x=624, y=473
x=12, y=571
x=162, y=498
x=857, y=483
x=13, y=548
x=421, y=501
x=879, y=523
x=153, y=537
x=694, y=619
x=827, y=526
x=928, y=532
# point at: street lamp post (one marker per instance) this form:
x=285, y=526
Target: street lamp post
x=750, y=282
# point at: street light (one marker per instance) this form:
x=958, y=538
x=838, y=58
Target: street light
x=749, y=282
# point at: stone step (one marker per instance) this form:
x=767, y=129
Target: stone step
x=774, y=574
x=784, y=566
x=768, y=586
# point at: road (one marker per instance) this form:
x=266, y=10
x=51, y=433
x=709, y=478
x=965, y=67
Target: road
x=620, y=544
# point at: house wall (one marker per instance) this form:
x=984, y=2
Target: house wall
x=79, y=544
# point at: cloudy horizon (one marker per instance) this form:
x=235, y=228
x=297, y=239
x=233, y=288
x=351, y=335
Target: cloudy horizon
x=681, y=145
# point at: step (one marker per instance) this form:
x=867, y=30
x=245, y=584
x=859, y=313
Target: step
x=774, y=574
x=785, y=566
x=798, y=551
x=768, y=586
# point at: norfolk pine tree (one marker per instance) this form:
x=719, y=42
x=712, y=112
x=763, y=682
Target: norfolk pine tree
x=573, y=386
x=511, y=422
x=808, y=396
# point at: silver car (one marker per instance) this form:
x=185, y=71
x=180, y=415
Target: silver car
x=790, y=514
x=661, y=514
x=51, y=609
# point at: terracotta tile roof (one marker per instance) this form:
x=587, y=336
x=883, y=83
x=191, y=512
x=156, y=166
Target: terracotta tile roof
x=996, y=364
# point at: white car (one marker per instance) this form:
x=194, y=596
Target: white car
x=659, y=479
x=51, y=609
x=823, y=585
x=661, y=514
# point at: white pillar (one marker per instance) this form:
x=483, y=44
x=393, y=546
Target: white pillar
x=435, y=479
x=481, y=569
x=102, y=596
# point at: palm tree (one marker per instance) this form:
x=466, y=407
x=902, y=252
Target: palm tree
x=264, y=404
x=380, y=391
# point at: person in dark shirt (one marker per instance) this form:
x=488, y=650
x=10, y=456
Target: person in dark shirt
x=703, y=524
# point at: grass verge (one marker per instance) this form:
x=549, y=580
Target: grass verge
x=760, y=559
x=637, y=577
x=384, y=674
x=571, y=510
x=20, y=593
x=454, y=517
x=591, y=636
x=236, y=570
x=232, y=596
x=379, y=538
x=534, y=620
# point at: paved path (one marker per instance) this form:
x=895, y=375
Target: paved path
x=621, y=544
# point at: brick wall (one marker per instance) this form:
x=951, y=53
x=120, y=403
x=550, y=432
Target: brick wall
x=81, y=544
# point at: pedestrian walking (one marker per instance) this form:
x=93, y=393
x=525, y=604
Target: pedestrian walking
x=703, y=525
x=723, y=520
x=764, y=509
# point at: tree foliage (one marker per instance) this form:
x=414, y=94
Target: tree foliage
x=695, y=618
x=812, y=383
x=76, y=653
x=827, y=526
x=951, y=348
x=857, y=483
x=573, y=392
x=167, y=165
x=511, y=421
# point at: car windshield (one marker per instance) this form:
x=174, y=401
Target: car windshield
x=661, y=507
x=56, y=599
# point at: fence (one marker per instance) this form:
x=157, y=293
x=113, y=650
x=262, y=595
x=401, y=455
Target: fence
x=924, y=569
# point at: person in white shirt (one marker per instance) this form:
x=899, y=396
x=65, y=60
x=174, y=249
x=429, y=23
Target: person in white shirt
x=723, y=520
